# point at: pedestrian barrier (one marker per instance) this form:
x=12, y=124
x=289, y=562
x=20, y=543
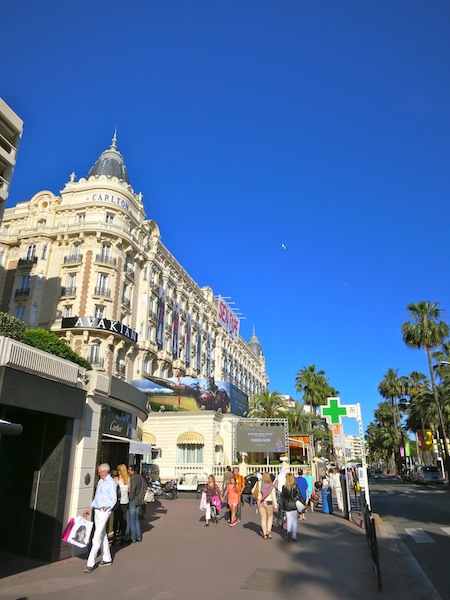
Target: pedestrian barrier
x=371, y=535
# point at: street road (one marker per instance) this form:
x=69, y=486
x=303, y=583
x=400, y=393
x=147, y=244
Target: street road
x=420, y=516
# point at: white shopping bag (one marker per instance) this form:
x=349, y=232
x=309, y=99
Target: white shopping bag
x=81, y=532
x=203, y=501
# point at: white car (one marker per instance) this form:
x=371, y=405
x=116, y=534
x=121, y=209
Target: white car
x=429, y=474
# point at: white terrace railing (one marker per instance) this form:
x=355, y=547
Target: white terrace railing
x=202, y=471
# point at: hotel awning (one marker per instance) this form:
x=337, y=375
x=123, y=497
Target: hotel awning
x=190, y=437
x=135, y=447
x=218, y=440
x=148, y=438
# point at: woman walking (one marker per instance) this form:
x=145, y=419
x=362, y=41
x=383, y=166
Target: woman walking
x=121, y=526
x=267, y=503
x=233, y=498
x=288, y=498
x=213, y=498
x=310, y=491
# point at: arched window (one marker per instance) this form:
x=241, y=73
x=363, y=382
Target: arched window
x=120, y=362
x=190, y=448
x=31, y=251
x=95, y=351
x=44, y=252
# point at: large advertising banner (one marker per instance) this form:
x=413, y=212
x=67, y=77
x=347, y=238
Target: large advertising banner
x=260, y=438
x=227, y=318
x=176, y=326
x=208, y=354
x=199, y=347
x=188, y=339
x=161, y=317
x=194, y=394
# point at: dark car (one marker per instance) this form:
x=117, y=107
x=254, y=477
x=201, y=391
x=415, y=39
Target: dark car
x=150, y=471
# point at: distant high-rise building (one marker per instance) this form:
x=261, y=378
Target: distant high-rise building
x=11, y=127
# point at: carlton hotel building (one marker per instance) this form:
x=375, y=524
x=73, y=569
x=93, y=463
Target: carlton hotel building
x=88, y=266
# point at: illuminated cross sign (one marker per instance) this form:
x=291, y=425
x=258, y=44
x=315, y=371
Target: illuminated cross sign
x=333, y=410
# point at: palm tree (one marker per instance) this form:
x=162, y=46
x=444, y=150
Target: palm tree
x=392, y=388
x=299, y=421
x=314, y=386
x=267, y=405
x=426, y=331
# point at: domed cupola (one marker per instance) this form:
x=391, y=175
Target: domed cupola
x=255, y=345
x=111, y=164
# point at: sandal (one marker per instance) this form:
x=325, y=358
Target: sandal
x=265, y=536
x=269, y=536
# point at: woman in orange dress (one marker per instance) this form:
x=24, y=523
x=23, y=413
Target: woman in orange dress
x=233, y=497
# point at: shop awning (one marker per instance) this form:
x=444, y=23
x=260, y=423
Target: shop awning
x=10, y=428
x=190, y=437
x=218, y=440
x=135, y=447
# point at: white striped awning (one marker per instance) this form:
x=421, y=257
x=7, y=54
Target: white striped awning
x=148, y=438
x=190, y=437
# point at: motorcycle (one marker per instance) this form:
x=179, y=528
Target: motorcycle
x=168, y=490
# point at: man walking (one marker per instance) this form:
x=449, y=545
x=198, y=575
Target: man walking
x=240, y=482
x=138, y=487
x=104, y=501
x=337, y=489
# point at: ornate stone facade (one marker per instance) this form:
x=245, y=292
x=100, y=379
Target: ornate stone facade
x=89, y=266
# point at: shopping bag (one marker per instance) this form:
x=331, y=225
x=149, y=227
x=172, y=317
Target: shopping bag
x=67, y=530
x=81, y=532
x=203, y=501
x=300, y=506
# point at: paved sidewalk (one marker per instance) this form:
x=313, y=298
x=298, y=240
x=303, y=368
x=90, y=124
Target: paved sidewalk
x=181, y=559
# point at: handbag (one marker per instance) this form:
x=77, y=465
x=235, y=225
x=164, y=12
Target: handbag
x=300, y=506
x=203, y=502
x=67, y=530
x=80, y=532
x=149, y=496
x=314, y=497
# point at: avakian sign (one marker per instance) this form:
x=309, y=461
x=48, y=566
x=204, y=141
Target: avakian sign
x=102, y=324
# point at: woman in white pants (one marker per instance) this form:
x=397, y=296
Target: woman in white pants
x=287, y=500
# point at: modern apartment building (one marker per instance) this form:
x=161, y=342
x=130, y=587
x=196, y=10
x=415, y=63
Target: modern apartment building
x=11, y=127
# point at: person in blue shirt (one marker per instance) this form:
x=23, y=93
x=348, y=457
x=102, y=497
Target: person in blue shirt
x=104, y=501
x=302, y=485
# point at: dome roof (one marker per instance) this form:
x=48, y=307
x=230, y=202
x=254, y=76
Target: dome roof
x=255, y=345
x=110, y=164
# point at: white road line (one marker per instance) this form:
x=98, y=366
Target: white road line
x=419, y=535
x=446, y=530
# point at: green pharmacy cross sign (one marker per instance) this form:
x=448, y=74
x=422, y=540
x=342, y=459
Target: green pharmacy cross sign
x=334, y=411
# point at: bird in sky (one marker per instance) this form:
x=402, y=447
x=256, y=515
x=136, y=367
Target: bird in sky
x=283, y=246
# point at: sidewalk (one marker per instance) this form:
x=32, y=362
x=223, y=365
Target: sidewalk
x=181, y=559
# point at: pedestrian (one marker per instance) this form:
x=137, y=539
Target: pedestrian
x=122, y=523
x=302, y=486
x=104, y=501
x=267, y=503
x=213, y=499
x=233, y=497
x=226, y=478
x=288, y=497
x=337, y=488
x=240, y=482
x=310, y=491
x=137, y=489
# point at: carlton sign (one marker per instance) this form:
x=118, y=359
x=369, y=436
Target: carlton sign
x=227, y=318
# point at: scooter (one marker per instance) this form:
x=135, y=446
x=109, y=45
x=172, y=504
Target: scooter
x=168, y=490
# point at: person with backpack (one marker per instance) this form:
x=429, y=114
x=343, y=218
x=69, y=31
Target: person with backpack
x=266, y=497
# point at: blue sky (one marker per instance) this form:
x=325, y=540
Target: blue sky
x=249, y=124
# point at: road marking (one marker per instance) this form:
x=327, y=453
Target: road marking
x=419, y=535
x=446, y=530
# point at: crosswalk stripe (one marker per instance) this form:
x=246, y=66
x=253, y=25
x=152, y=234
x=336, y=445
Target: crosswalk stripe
x=419, y=535
x=446, y=530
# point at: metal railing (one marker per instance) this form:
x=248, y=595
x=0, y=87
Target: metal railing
x=371, y=535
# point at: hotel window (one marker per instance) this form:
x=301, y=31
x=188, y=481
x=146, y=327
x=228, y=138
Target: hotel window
x=33, y=315
x=145, y=276
x=94, y=353
x=44, y=252
x=67, y=311
x=42, y=223
x=71, y=281
x=99, y=312
x=189, y=453
x=109, y=218
x=31, y=251
x=75, y=250
x=80, y=218
x=106, y=252
x=20, y=313
x=25, y=282
x=2, y=258
x=6, y=229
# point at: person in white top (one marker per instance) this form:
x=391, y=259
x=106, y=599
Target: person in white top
x=123, y=527
x=337, y=488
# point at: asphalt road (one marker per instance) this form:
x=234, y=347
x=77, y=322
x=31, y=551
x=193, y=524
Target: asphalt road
x=420, y=516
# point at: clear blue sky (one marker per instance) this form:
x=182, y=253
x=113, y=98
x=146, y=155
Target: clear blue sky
x=249, y=124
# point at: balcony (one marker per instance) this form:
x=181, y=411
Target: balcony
x=97, y=363
x=27, y=262
x=152, y=315
x=129, y=272
x=105, y=260
x=73, y=259
x=102, y=291
x=22, y=292
x=68, y=291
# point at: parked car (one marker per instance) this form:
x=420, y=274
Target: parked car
x=192, y=482
x=377, y=474
x=429, y=474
